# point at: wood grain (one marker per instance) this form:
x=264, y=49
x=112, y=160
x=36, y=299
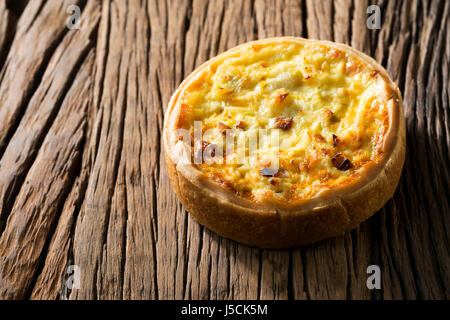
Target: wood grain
x=83, y=181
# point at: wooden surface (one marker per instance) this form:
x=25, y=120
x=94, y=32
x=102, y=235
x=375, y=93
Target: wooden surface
x=83, y=182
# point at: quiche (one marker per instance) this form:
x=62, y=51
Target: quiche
x=286, y=141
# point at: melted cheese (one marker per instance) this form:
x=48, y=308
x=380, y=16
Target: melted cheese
x=333, y=104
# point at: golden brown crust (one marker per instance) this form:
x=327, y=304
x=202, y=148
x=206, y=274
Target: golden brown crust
x=275, y=226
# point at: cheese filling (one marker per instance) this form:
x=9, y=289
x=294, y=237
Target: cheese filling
x=327, y=107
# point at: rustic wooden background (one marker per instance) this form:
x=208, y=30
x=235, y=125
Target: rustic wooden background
x=83, y=182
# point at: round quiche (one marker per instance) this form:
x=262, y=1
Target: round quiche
x=285, y=141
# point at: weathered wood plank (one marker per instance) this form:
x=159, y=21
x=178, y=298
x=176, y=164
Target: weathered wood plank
x=166, y=63
x=41, y=110
x=7, y=27
x=40, y=199
x=319, y=19
x=35, y=41
x=91, y=231
x=23, y=153
x=10, y=11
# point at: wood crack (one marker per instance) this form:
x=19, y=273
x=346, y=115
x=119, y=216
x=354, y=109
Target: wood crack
x=10, y=13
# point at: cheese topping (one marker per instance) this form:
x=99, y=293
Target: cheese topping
x=328, y=108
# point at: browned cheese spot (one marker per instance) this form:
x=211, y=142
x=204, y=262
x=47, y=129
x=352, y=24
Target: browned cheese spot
x=341, y=163
x=283, y=123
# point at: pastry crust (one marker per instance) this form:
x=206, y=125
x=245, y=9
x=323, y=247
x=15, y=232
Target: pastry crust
x=278, y=225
